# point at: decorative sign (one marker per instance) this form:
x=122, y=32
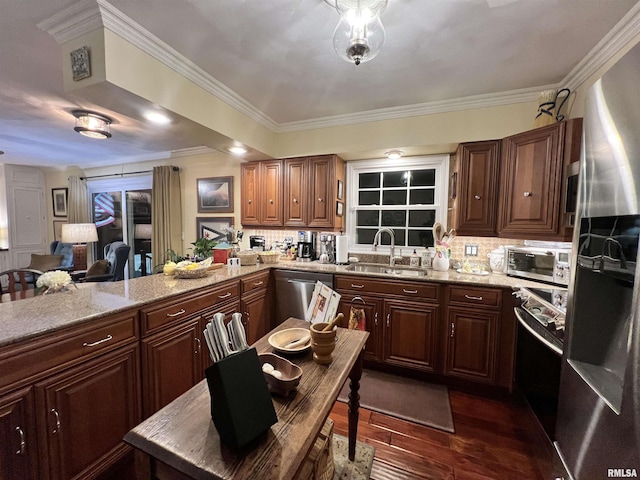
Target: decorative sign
x=80, y=64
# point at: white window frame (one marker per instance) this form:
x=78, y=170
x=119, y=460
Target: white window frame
x=440, y=163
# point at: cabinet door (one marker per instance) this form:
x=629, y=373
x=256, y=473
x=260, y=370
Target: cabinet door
x=84, y=412
x=295, y=192
x=477, y=203
x=532, y=169
x=410, y=334
x=321, y=197
x=171, y=364
x=271, y=196
x=255, y=315
x=18, y=452
x=471, y=345
x=372, y=308
x=250, y=193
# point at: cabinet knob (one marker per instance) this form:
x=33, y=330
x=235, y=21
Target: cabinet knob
x=271, y=200
x=527, y=194
x=55, y=412
x=320, y=200
x=197, y=342
x=249, y=201
x=295, y=200
x=477, y=197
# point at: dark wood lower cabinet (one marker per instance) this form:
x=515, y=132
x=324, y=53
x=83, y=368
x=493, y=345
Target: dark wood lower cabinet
x=372, y=308
x=410, y=334
x=254, y=315
x=472, y=344
x=83, y=413
x=18, y=450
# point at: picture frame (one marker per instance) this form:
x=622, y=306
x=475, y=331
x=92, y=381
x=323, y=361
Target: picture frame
x=215, y=195
x=59, y=197
x=80, y=63
x=57, y=229
x=213, y=227
x=339, y=209
x=340, y=189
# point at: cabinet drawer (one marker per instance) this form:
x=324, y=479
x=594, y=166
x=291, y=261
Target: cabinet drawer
x=178, y=310
x=18, y=363
x=255, y=282
x=482, y=297
x=413, y=290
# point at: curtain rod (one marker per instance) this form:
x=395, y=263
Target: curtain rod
x=175, y=169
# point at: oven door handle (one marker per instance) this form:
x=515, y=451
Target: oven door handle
x=536, y=334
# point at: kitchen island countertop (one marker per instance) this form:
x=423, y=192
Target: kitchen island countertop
x=31, y=317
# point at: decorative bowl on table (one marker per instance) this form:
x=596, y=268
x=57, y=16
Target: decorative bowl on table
x=291, y=340
x=281, y=375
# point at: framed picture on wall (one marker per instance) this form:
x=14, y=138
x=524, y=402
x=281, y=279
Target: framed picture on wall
x=59, y=198
x=213, y=227
x=57, y=229
x=339, y=209
x=340, y=189
x=215, y=195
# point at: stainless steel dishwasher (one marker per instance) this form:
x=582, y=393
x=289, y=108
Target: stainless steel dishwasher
x=294, y=290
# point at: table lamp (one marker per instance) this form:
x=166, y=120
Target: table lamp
x=79, y=234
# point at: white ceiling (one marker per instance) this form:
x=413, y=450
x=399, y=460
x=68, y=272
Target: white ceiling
x=277, y=56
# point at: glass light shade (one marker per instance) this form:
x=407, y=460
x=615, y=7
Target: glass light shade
x=358, y=37
x=79, y=232
x=143, y=231
x=375, y=7
x=92, y=125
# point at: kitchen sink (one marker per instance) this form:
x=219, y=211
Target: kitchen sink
x=399, y=270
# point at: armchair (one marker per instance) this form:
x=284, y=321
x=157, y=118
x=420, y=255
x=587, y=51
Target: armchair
x=116, y=255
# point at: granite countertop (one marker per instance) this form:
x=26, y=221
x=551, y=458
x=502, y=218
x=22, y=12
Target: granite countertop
x=28, y=318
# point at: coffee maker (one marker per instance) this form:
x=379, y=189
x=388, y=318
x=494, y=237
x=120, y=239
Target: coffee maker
x=257, y=242
x=306, y=246
x=327, y=248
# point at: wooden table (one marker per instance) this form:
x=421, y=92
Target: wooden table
x=181, y=442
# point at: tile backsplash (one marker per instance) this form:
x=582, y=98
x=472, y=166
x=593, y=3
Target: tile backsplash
x=485, y=245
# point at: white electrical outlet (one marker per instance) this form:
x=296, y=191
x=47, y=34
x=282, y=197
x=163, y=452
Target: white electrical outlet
x=471, y=250
x=233, y=262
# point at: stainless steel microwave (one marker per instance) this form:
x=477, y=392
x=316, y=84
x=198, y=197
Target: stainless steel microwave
x=549, y=265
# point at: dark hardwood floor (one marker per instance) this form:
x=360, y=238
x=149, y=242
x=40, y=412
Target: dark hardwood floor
x=490, y=442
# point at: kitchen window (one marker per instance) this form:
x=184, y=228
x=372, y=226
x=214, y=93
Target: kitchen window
x=408, y=198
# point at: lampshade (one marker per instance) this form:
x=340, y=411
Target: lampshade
x=79, y=232
x=142, y=231
x=92, y=124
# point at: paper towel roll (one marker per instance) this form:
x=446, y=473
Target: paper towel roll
x=342, y=249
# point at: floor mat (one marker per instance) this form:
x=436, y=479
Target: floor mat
x=360, y=468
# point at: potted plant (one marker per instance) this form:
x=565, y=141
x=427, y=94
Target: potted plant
x=203, y=247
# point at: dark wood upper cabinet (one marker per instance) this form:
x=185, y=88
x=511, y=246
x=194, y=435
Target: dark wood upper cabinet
x=322, y=199
x=533, y=181
x=250, y=185
x=261, y=185
x=296, y=181
x=478, y=166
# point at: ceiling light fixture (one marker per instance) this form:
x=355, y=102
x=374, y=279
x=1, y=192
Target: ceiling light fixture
x=238, y=149
x=92, y=124
x=394, y=154
x=360, y=35
x=157, y=117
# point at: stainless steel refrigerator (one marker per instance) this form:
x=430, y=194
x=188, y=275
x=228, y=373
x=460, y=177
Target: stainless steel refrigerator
x=598, y=426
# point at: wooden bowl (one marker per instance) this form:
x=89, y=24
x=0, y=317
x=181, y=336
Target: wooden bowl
x=290, y=378
x=281, y=339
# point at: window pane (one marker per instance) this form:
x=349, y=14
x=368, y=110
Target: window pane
x=369, y=198
x=422, y=218
x=395, y=179
x=400, y=237
x=421, y=197
x=369, y=180
x=423, y=178
x=368, y=218
x=394, y=218
x=421, y=238
x=365, y=235
x=399, y=234
x=394, y=197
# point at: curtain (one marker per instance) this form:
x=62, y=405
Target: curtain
x=166, y=213
x=78, y=201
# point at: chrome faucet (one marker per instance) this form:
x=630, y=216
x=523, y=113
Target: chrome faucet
x=392, y=249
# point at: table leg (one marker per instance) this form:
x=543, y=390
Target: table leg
x=354, y=404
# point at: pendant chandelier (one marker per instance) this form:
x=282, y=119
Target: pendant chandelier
x=360, y=35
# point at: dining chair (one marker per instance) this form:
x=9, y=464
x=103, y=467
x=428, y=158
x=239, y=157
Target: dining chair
x=18, y=283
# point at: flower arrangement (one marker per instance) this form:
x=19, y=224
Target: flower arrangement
x=55, y=281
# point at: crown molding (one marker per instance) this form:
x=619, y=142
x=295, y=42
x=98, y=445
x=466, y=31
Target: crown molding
x=77, y=19
x=87, y=15
x=620, y=35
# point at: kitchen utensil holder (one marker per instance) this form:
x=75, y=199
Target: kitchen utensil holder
x=241, y=405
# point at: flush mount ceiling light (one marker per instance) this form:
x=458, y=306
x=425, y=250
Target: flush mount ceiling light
x=360, y=35
x=394, y=154
x=92, y=124
x=238, y=149
x=157, y=117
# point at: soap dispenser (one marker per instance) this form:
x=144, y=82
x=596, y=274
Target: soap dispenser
x=414, y=260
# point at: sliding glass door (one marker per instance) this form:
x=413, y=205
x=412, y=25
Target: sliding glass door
x=121, y=210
